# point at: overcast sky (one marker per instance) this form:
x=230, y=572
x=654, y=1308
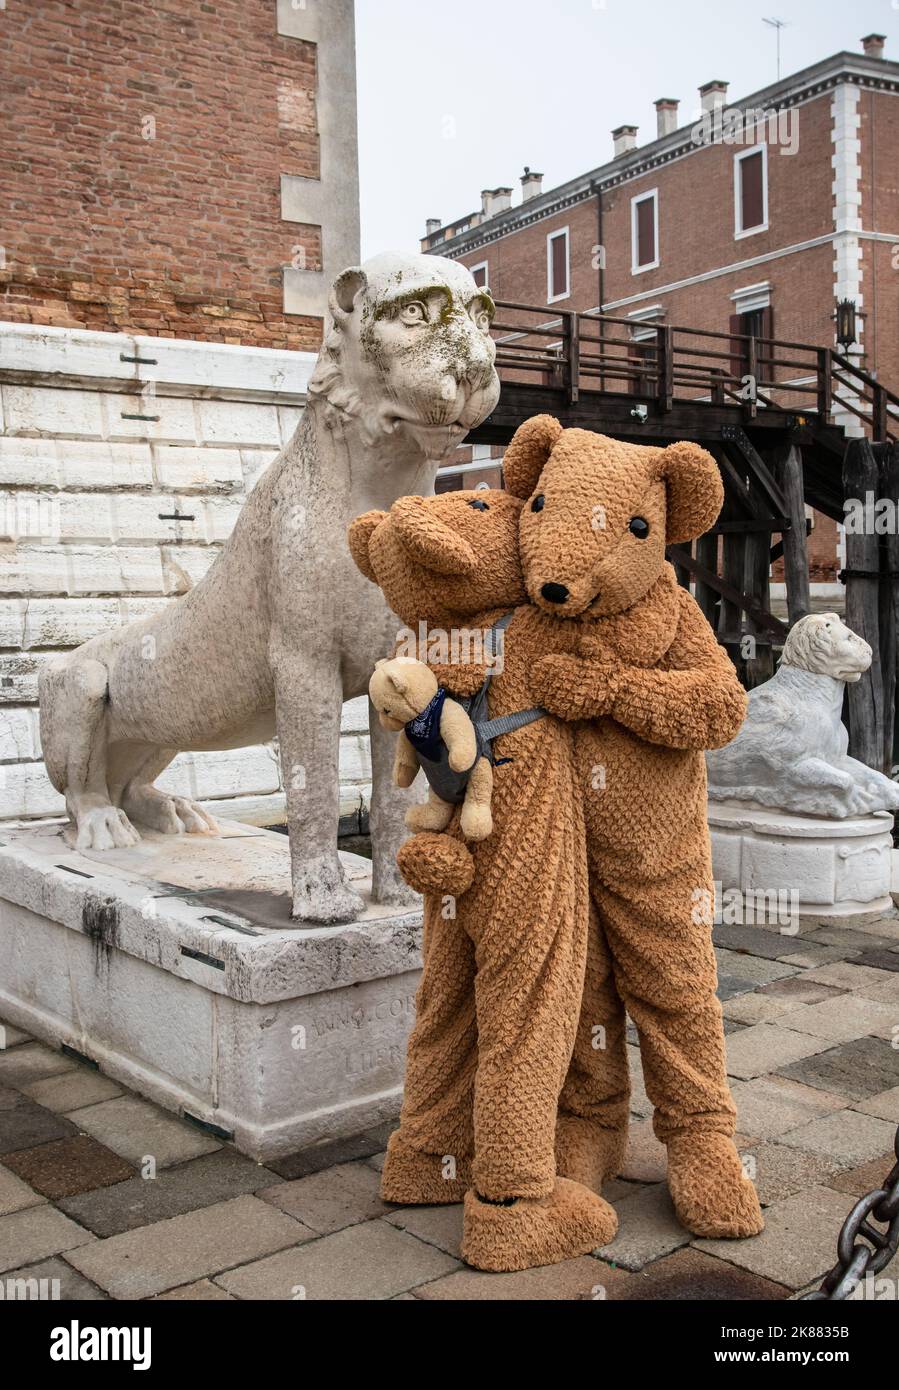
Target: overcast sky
x=459, y=95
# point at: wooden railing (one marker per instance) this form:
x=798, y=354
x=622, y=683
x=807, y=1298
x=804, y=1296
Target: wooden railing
x=665, y=363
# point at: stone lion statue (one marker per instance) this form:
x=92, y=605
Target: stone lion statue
x=283, y=628
x=791, y=751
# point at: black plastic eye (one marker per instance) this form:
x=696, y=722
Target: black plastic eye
x=538, y=503
x=479, y=506
x=638, y=527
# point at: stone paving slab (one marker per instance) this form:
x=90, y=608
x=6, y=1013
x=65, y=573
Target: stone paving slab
x=799, y=989
x=752, y=968
x=843, y=1019
x=9, y=1097
x=31, y=1062
x=857, y=1069
x=885, y=993
x=203, y=1291
x=179, y=1251
x=440, y=1226
x=866, y=1177
x=770, y=1105
x=201, y=1182
x=731, y=986
x=779, y=1170
x=885, y=1106
x=137, y=1130
x=330, y=1200
x=580, y=1279
x=24, y=1124
x=846, y=1135
x=646, y=1159
x=766, y=1046
x=880, y=960
x=72, y=1090
x=816, y=954
x=68, y=1166
x=33, y=1234
x=845, y=974
x=647, y=1229
x=755, y=1007
x=641, y=1105
x=360, y=1146
x=61, y=1280
x=16, y=1195
x=797, y=1246
x=691, y=1274
x=758, y=941
x=373, y=1260
x=849, y=939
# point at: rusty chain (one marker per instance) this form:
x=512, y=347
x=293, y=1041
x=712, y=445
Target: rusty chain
x=857, y=1261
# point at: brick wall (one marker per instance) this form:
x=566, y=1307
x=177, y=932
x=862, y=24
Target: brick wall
x=141, y=162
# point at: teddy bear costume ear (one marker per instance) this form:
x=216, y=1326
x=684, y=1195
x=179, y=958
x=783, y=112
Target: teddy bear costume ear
x=428, y=540
x=359, y=537
x=532, y=444
x=695, y=491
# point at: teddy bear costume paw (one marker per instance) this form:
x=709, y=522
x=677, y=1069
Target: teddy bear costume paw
x=432, y=863
x=711, y=1193
x=587, y=1153
x=533, y=1231
x=415, y=1179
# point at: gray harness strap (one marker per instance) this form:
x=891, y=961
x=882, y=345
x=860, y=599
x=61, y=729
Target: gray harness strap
x=489, y=729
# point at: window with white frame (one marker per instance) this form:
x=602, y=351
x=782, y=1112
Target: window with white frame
x=751, y=191
x=479, y=274
x=645, y=231
x=558, y=266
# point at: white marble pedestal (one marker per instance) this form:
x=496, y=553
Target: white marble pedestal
x=829, y=870
x=174, y=966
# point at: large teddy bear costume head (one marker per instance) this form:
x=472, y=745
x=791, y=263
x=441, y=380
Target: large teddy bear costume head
x=593, y=537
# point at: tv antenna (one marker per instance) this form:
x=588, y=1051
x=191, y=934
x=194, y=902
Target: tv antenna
x=777, y=25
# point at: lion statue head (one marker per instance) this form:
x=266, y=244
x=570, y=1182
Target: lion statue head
x=408, y=350
x=824, y=645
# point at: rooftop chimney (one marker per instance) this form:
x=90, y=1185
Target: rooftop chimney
x=713, y=95
x=624, y=139
x=666, y=116
x=873, y=45
x=432, y=225
x=495, y=200
x=531, y=184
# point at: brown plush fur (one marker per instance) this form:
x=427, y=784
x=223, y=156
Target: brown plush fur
x=497, y=1010
x=656, y=689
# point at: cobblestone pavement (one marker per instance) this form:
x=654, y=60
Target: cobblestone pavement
x=811, y=1021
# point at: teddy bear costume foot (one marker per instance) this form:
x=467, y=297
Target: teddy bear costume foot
x=712, y=1195
x=569, y=1221
x=412, y=1178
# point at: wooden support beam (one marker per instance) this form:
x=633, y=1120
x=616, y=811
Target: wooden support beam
x=888, y=460
x=735, y=596
x=796, y=577
x=862, y=574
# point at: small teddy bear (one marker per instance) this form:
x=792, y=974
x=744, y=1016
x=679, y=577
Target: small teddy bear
x=436, y=735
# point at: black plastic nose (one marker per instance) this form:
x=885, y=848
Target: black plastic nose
x=554, y=593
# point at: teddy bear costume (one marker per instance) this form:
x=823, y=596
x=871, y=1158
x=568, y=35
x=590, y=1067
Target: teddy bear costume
x=650, y=688
x=497, y=1009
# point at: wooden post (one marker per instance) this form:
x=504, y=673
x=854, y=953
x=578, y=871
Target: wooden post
x=756, y=571
x=866, y=721
x=707, y=554
x=889, y=604
x=825, y=385
x=789, y=475
x=665, y=366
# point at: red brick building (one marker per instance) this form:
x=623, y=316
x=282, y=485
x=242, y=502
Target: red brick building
x=754, y=215
x=187, y=170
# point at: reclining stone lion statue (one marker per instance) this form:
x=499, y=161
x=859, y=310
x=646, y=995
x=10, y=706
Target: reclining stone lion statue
x=791, y=752
x=283, y=627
